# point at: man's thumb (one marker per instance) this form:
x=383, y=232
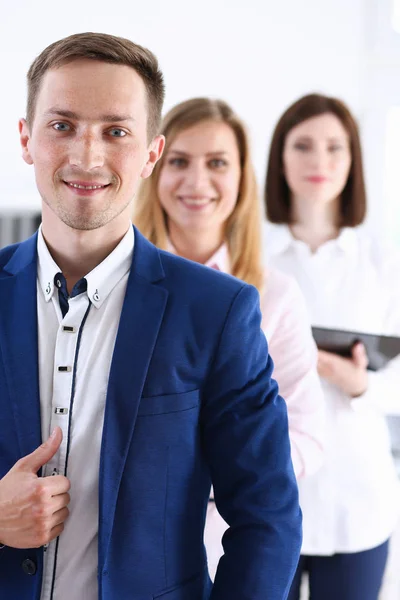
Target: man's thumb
x=45, y=452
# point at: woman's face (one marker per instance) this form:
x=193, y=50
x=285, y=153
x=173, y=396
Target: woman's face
x=199, y=181
x=317, y=160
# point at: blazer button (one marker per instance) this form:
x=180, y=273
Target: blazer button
x=29, y=566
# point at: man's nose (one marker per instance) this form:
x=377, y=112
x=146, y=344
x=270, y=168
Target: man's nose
x=87, y=152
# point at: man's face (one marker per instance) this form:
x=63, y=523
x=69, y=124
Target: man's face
x=88, y=143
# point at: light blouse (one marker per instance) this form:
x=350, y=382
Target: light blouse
x=353, y=282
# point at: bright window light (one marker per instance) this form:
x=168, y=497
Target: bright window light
x=392, y=180
x=396, y=16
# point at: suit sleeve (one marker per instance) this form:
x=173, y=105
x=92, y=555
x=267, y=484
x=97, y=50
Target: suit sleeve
x=245, y=437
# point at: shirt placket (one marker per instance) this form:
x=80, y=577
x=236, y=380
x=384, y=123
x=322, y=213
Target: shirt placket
x=65, y=364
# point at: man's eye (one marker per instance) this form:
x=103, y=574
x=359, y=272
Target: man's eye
x=61, y=127
x=116, y=132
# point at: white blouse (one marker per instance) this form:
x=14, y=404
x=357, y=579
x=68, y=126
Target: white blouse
x=292, y=348
x=352, y=503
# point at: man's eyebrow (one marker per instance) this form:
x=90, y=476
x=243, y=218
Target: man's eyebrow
x=69, y=114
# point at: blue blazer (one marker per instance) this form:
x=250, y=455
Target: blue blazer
x=190, y=401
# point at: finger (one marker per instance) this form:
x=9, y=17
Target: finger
x=59, y=517
x=322, y=360
x=60, y=501
x=331, y=357
x=359, y=355
x=56, y=531
x=45, y=452
x=56, y=484
x=326, y=359
x=323, y=371
x=327, y=365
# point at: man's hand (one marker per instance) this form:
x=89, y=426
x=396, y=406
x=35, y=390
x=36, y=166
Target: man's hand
x=33, y=509
x=349, y=374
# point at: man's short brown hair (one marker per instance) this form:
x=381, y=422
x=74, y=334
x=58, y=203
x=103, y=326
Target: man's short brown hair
x=105, y=48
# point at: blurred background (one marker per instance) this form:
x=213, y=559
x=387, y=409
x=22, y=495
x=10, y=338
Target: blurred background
x=259, y=55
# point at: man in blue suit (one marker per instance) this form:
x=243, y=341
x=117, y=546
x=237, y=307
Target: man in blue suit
x=150, y=371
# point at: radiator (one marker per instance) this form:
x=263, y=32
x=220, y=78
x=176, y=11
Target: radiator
x=17, y=227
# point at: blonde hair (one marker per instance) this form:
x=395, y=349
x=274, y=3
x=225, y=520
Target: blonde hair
x=243, y=227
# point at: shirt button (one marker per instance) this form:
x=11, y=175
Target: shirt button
x=29, y=566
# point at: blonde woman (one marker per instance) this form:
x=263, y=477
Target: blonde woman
x=202, y=203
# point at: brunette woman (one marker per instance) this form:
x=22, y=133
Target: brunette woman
x=315, y=199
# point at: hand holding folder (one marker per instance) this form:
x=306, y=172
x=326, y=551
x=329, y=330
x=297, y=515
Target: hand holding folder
x=380, y=348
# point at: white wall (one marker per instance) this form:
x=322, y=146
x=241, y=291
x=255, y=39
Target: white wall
x=259, y=55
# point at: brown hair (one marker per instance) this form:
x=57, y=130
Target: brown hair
x=242, y=229
x=105, y=48
x=277, y=193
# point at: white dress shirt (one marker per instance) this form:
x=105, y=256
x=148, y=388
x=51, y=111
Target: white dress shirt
x=292, y=348
x=75, y=355
x=352, y=503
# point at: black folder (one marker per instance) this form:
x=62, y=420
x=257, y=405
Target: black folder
x=380, y=348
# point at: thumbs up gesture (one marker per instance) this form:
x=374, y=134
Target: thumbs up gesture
x=33, y=509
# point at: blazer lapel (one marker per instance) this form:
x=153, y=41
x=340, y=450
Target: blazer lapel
x=141, y=317
x=19, y=343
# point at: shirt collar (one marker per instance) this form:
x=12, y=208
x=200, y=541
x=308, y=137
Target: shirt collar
x=47, y=268
x=100, y=281
x=347, y=240
x=279, y=239
x=219, y=260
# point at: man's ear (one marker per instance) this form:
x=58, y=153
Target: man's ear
x=155, y=151
x=24, y=137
